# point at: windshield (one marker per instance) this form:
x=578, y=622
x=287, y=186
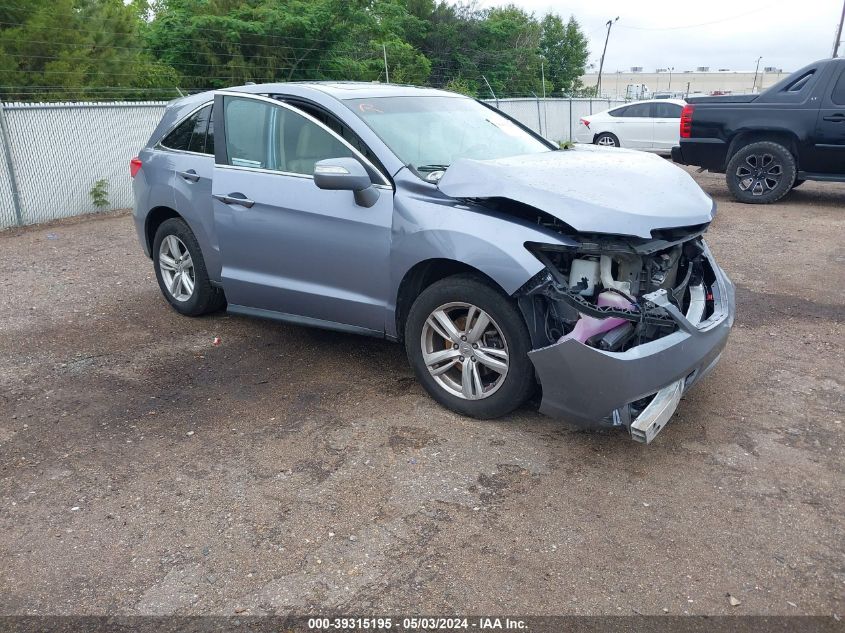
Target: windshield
x=430, y=133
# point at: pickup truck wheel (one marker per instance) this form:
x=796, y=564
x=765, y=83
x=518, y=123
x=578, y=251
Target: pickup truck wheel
x=606, y=139
x=468, y=346
x=761, y=173
x=180, y=270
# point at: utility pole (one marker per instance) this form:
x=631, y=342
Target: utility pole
x=386, y=72
x=669, y=89
x=543, y=78
x=838, y=39
x=490, y=88
x=610, y=23
x=754, y=85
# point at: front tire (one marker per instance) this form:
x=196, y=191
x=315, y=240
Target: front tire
x=761, y=173
x=606, y=139
x=468, y=346
x=181, y=272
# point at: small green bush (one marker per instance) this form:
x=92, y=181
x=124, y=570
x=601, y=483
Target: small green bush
x=100, y=194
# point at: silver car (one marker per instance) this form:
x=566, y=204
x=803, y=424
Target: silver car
x=502, y=262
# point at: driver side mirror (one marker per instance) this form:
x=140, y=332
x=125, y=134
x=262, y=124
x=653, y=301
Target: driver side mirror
x=346, y=174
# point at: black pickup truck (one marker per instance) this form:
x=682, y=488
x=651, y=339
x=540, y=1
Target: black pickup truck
x=767, y=144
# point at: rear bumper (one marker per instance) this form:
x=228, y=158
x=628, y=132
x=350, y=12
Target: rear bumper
x=710, y=153
x=592, y=388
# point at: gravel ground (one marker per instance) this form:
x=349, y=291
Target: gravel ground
x=145, y=471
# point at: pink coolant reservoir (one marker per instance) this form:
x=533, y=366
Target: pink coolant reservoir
x=588, y=326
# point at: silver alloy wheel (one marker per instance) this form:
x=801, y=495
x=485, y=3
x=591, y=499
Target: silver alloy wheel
x=607, y=141
x=465, y=350
x=177, y=268
x=760, y=173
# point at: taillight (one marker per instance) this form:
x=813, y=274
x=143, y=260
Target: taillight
x=586, y=123
x=134, y=166
x=686, y=121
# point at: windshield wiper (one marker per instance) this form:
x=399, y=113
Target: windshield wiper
x=432, y=167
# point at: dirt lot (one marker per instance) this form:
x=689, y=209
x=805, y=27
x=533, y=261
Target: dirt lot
x=145, y=471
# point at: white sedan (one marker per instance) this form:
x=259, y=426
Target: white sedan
x=652, y=126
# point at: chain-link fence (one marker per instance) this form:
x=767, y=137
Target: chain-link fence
x=59, y=152
x=555, y=119
x=52, y=155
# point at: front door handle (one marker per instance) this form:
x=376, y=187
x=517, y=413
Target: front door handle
x=235, y=198
x=189, y=175
x=836, y=118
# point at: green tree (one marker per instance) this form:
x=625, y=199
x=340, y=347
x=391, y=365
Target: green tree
x=509, y=51
x=77, y=49
x=225, y=42
x=565, y=53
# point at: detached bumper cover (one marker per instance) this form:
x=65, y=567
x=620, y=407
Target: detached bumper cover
x=587, y=386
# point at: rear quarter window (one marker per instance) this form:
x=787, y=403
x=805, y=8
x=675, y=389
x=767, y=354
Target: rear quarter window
x=838, y=94
x=190, y=135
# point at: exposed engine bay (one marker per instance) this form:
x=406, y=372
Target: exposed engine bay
x=604, y=292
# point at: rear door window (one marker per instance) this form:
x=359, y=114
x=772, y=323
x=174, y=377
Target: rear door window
x=190, y=135
x=666, y=110
x=248, y=133
x=638, y=110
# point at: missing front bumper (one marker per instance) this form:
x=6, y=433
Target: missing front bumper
x=592, y=388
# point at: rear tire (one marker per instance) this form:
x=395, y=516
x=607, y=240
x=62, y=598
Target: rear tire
x=181, y=272
x=485, y=339
x=761, y=173
x=606, y=139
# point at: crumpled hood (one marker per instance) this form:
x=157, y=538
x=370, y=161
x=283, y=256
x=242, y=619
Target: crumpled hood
x=592, y=189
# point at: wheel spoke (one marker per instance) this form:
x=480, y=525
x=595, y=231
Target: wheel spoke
x=173, y=247
x=500, y=367
x=468, y=381
x=476, y=379
x=167, y=262
x=444, y=367
x=187, y=262
x=187, y=283
x=448, y=330
x=175, y=283
x=435, y=358
x=479, y=327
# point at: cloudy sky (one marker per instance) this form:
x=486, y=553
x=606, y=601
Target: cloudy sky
x=715, y=33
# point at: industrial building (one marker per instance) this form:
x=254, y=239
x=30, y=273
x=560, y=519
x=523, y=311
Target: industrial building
x=635, y=83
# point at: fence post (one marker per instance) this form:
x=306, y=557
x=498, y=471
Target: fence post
x=570, y=118
x=6, y=142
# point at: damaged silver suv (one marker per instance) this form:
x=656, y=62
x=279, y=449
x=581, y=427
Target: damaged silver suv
x=423, y=216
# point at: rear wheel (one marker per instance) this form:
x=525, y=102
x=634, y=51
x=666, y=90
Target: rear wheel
x=180, y=270
x=468, y=346
x=606, y=139
x=761, y=173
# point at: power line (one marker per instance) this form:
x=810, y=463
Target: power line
x=694, y=26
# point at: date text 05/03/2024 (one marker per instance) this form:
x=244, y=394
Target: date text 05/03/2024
x=481, y=624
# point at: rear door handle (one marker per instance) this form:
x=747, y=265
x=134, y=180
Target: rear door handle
x=235, y=198
x=189, y=175
x=836, y=118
